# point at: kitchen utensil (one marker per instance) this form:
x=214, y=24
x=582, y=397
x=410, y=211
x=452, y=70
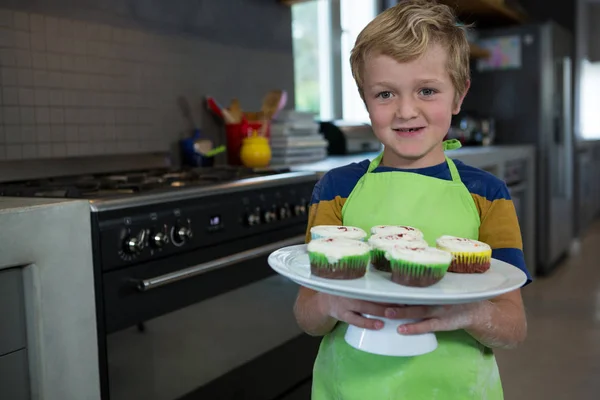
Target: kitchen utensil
x=235, y=110
x=218, y=110
x=186, y=111
x=273, y=102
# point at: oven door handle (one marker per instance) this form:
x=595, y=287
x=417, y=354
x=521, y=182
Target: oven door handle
x=162, y=280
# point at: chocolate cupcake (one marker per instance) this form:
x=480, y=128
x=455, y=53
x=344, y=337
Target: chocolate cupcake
x=338, y=258
x=468, y=256
x=380, y=243
x=328, y=231
x=396, y=230
x=418, y=267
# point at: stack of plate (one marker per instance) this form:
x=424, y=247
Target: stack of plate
x=296, y=138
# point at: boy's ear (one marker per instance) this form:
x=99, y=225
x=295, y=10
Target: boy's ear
x=459, y=101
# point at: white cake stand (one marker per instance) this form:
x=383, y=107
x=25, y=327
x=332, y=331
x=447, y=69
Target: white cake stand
x=376, y=286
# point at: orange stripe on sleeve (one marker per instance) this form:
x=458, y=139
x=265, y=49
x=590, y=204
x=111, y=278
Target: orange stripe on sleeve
x=328, y=212
x=499, y=224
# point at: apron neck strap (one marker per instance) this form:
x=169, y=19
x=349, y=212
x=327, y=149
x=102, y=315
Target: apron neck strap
x=452, y=144
x=453, y=170
x=375, y=163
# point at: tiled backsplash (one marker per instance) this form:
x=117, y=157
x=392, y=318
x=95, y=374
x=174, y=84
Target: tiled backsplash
x=72, y=88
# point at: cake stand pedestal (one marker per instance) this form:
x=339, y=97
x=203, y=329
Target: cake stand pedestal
x=388, y=342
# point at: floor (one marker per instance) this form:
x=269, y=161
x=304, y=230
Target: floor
x=561, y=357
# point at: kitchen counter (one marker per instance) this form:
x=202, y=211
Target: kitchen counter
x=489, y=158
x=49, y=243
x=498, y=160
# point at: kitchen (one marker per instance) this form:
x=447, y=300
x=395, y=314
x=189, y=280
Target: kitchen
x=93, y=89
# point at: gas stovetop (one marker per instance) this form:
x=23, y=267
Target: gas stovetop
x=130, y=188
x=131, y=183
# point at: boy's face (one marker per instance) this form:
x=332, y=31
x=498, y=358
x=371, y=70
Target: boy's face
x=410, y=105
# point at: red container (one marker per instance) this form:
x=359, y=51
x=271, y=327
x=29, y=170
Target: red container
x=236, y=133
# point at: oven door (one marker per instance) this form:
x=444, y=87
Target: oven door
x=226, y=329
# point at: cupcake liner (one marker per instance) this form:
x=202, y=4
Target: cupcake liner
x=351, y=267
x=470, y=263
x=407, y=273
x=379, y=261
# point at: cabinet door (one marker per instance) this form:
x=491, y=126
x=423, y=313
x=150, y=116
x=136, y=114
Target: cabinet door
x=12, y=328
x=14, y=376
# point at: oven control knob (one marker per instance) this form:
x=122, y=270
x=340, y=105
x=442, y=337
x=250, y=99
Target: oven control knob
x=284, y=212
x=269, y=216
x=135, y=244
x=183, y=233
x=253, y=217
x=158, y=240
x=300, y=209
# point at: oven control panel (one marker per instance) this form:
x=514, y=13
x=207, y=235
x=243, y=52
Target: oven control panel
x=141, y=234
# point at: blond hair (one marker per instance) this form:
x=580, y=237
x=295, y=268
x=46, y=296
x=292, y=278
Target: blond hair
x=405, y=32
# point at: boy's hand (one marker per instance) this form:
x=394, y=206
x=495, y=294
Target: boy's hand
x=495, y=323
x=350, y=310
x=438, y=318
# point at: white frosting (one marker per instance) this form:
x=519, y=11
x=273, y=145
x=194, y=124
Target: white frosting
x=453, y=243
x=336, y=248
x=385, y=241
x=396, y=229
x=428, y=255
x=349, y=232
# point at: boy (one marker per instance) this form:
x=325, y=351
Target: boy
x=411, y=66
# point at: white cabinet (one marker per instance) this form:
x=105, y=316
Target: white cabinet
x=14, y=375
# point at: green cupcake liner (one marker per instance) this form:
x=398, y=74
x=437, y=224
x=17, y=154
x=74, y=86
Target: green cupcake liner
x=420, y=275
x=379, y=261
x=351, y=267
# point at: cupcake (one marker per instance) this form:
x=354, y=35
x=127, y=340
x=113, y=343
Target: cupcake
x=338, y=258
x=395, y=230
x=327, y=231
x=469, y=256
x=380, y=243
x=418, y=267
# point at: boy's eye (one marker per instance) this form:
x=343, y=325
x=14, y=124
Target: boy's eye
x=384, y=95
x=427, y=92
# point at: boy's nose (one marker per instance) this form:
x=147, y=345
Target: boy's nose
x=406, y=109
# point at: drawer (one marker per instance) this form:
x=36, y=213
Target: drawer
x=12, y=310
x=14, y=376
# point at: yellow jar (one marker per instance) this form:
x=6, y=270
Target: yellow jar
x=255, y=152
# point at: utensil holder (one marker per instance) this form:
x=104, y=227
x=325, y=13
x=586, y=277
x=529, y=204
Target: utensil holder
x=236, y=133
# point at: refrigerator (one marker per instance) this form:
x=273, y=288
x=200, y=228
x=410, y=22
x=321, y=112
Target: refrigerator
x=526, y=87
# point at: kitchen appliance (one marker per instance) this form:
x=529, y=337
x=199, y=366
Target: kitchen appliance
x=472, y=130
x=526, y=87
x=187, y=306
x=346, y=137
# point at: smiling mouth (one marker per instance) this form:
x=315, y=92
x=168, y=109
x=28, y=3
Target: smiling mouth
x=409, y=130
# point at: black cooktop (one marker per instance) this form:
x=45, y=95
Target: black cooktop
x=128, y=183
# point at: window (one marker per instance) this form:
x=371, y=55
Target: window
x=590, y=97
x=355, y=15
x=324, y=32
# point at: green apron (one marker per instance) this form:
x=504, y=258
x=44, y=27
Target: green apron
x=460, y=368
